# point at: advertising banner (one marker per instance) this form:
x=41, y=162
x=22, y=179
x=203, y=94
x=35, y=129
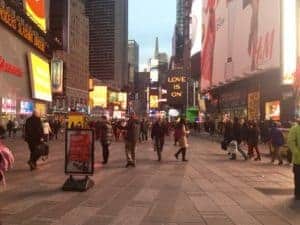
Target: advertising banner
x=98, y=97
x=177, y=84
x=122, y=98
x=57, y=70
x=240, y=38
x=273, y=110
x=36, y=10
x=196, y=26
x=79, y=151
x=26, y=107
x=9, y=106
x=153, y=101
x=40, y=77
x=254, y=105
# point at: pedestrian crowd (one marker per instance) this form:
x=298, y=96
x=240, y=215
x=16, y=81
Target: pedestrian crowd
x=243, y=137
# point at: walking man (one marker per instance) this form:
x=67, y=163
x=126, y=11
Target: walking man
x=105, y=137
x=33, y=136
x=158, y=133
x=131, y=138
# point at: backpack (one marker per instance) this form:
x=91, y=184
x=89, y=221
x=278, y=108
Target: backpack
x=6, y=161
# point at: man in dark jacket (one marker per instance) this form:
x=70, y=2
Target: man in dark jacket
x=158, y=133
x=9, y=127
x=105, y=136
x=236, y=132
x=33, y=136
x=132, y=131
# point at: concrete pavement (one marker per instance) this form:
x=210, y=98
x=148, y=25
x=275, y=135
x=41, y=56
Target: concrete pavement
x=208, y=190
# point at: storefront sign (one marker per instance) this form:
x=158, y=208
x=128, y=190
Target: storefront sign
x=176, y=88
x=7, y=67
x=9, y=106
x=57, y=75
x=79, y=152
x=40, y=77
x=17, y=23
x=254, y=106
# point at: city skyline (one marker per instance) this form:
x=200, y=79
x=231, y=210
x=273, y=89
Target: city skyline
x=161, y=25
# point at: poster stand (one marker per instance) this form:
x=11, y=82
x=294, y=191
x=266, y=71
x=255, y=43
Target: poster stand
x=81, y=185
x=79, y=159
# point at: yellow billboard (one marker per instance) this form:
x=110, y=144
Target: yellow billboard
x=153, y=101
x=40, y=77
x=98, y=97
x=35, y=9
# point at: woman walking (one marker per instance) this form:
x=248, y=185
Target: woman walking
x=183, y=144
x=253, y=141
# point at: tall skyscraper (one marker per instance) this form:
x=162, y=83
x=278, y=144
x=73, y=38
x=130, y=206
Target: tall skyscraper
x=133, y=59
x=178, y=40
x=109, y=41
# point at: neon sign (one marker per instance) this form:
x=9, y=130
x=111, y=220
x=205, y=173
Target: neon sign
x=9, y=17
x=9, y=68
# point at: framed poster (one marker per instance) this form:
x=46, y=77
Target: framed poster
x=79, y=151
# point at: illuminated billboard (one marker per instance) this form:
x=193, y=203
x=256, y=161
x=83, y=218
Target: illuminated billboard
x=240, y=38
x=99, y=96
x=26, y=107
x=154, y=75
x=196, y=26
x=153, y=101
x=57, y=75
x=40, y=77
x=289, y=41
x=36, y=10
x=122, y=98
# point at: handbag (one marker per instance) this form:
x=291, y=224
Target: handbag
x=42, y=149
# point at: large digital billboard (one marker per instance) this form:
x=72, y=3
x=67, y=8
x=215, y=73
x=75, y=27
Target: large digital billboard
x=40, y=77
x=241, y=38
x=99, y=96
x=196, y=26
x=36, y=10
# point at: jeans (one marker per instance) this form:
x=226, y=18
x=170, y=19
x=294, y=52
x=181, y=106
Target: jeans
x=130, y=151
x=276, y=154
x=33, y=155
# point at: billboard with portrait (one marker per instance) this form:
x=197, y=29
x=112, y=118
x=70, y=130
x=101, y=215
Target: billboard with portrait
x=196, y=26
x=36, y=10
x=40, y=77
x=240, y=38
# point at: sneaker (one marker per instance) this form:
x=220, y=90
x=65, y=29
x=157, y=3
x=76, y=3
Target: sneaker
x=127, y=165
x=257, y=159
x=280, y=163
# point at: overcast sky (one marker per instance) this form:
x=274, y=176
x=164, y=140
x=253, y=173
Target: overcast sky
x=149, y=19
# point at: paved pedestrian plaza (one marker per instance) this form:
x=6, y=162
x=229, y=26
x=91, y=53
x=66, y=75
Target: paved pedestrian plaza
x=207, y=190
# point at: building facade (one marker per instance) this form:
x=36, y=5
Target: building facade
x=108, y=20
x=20, y=92
x=133, y=60
x=73, y=32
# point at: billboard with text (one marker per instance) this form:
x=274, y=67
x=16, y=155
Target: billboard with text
x=241, y=37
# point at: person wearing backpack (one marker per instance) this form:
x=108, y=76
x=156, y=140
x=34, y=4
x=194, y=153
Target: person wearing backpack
x=105, y=136
x=277, y=141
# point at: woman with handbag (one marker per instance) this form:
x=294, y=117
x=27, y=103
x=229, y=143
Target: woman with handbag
x=183, y=142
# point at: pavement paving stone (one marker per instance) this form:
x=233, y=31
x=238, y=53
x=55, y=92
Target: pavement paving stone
x=99, y=220
x=125, y=217
x=205, y=205
x=215, y=219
